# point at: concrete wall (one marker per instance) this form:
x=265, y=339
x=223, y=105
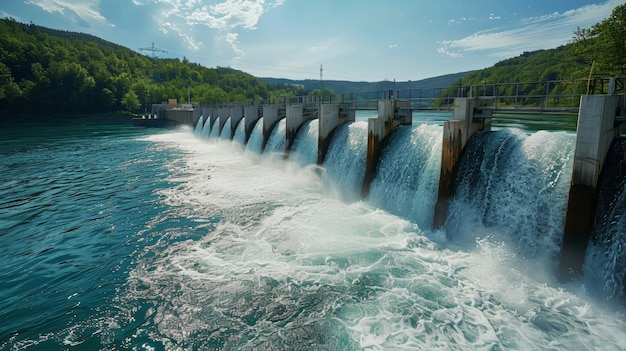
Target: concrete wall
x=180, y=116
x=224, y=115
x=251, y=116
x=236, y=115
x=595, y=132
x=271, y=116
x=328, y=121
x=331, y=116
x=213, y=117
x=391, y=114
x=295, y=119
x=456, y=135
x=197, y=112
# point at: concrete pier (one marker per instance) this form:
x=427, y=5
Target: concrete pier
x=251, y=116
x=224, y=115
x=236, y=115
x=213, y=117
x=595, y=132
x=456, y=134
x=391, y=114
x=331, y=116
x=197, y=112
x=295, y=119
x=271, y=116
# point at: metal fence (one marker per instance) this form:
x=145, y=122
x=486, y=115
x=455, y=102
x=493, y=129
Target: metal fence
x=553, y=95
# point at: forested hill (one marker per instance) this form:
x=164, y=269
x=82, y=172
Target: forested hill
x=603, y=46
x=44, y=70
x=343, y=86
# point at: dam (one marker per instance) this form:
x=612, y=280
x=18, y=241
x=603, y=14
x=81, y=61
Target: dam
x=459, y=169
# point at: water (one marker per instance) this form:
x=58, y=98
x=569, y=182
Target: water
x=605, y=263
x=514, y=186
x=122, y=238
x=226, y=134
x=345, y=162
x=206, y=129
x=407, y=179
x=304, y=150
x=199, y=125
x=255, y=142
x=240, y=133
x=276, y=141
x=215, y=130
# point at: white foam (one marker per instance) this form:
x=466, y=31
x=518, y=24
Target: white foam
x=283, y=257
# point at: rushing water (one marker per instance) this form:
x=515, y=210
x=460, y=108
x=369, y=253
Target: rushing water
x=240, y=133
x=304, y=150
x=122, y=238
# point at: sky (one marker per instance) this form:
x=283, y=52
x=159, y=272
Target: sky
x=355, y=40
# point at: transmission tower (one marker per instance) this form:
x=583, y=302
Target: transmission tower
x=153, y=49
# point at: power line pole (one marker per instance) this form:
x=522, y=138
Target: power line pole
x=153, y=49
x=322, y=80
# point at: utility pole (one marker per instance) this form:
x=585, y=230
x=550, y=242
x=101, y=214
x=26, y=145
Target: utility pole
x=154, y=50
x=322, y=80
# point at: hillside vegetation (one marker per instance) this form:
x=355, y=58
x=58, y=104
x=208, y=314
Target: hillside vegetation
x=599, y=51
x=343, y=86
x=45, y=70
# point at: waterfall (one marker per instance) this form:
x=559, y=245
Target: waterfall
x=198, y=129
x=605, y=263
x=240, y=133
x=511, y=186
x=255, y=142
x=345, y=161
x=304, y=150
x=276, y=141
x=226, y=133
x=206, y=129
x=514, y=187
x=407, y=178
x=215, y=131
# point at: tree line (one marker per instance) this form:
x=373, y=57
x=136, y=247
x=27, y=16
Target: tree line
x=44, y=70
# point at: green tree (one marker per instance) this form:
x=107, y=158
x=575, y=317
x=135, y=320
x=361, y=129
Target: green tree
x=130, y=101
x=605, y=42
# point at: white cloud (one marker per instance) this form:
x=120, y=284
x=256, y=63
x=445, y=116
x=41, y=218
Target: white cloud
x=232, y=39
x=86, y=10
x=533, y=33
x=318, y=48
x=228, y=17
x=190, y=42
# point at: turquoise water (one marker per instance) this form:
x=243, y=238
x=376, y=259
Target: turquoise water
x=122, y=238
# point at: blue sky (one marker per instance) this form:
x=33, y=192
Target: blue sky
x=357, y=40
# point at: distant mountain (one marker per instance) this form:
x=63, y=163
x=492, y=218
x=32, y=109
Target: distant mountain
x=342, y=86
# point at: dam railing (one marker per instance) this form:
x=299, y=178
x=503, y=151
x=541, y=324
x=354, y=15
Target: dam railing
x=557, y=96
